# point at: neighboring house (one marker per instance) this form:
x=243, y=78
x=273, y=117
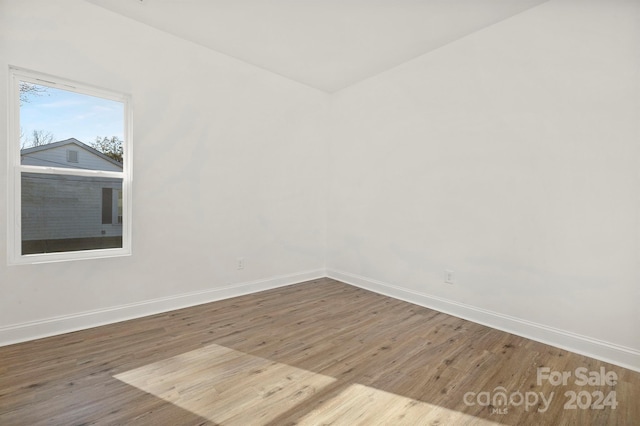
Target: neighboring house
x=61, y=213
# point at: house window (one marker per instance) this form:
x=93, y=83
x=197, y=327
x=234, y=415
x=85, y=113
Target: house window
x=72, y=156
x=70, y=176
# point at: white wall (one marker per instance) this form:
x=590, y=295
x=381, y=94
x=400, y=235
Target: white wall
x=512, y=158
x=226, y=165
x=509, y=156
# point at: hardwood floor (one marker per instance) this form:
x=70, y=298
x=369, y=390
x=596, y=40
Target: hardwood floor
x=320, y=352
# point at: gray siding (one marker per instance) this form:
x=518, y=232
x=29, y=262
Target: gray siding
x=57, y=157
x=60, y=207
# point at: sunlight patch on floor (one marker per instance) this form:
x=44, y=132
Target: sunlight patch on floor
x=230, y=387
x=227, y=386
x=364, y=405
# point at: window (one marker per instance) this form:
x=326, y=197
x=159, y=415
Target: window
x=69, y=170
x=72, y=156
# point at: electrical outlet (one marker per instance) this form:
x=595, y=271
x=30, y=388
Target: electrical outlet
x=449, y=276
x=240, y=263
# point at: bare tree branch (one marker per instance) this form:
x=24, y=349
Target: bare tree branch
x=30, y=89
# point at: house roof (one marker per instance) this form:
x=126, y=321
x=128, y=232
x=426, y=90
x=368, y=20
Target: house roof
x=70, y=141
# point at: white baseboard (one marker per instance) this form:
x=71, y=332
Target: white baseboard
x=598, y=349
x=17, y=333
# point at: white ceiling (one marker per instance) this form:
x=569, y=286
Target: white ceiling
x=326, y=44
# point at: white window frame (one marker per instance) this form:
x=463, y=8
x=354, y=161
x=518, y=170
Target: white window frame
x=15, y=170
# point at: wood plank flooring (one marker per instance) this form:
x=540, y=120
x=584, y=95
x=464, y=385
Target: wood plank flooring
x=320, y=352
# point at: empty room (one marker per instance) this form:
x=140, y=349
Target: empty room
x=409, y=212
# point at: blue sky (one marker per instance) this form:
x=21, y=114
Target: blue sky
x=71, y=115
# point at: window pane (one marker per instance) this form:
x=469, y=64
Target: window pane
x=60, y=128
x=66, y=213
